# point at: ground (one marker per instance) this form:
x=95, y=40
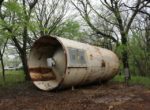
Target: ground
x=110, y=96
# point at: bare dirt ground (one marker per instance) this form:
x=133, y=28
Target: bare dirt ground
x=111, y=96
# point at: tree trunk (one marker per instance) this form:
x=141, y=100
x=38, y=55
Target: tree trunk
x=23, y=55
x=126, y=64
x=3, y=68
x=25, y=66
x=125, y=59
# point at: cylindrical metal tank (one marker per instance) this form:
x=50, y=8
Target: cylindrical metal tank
x=58, y=62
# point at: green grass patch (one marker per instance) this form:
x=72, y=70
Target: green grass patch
x=145, y=81
x=15, y=77
x=12, y=77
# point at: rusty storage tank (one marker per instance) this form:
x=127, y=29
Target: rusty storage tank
x=58, y=62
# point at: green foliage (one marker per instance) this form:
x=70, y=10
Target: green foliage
x=32, y=26
x=14, y=7
x=70, y=29
x=12, y=77
x=17, y=18
x=1, y=41
x=134, y=80
x=3, y=38
x=139, y=58
x=14, y=19
x=2, y=23
x=120, y=49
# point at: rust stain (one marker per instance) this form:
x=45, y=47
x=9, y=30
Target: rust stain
x=91, y=56
x=103, y=63
x=41, y=70
x=42, y=77
x=41, y=74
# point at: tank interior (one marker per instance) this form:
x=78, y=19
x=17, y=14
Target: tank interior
x=43, y=76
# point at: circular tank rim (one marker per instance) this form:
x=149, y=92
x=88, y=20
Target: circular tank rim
x=64, y=49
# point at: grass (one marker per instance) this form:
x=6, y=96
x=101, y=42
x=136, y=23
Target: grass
x=145, y=81
x=16, y=77
x=13, y=77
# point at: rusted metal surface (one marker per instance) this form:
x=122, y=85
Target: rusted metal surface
x=42, y=74
x=40, y=70
x=75, y=63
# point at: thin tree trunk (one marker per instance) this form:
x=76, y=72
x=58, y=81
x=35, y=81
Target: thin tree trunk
x=126, y=65
x=2, y=64
x=125, y=58
x=25, y=66
x=3, y=69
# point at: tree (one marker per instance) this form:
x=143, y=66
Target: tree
x=70, y=29
x=3, y=43
x=116, y=9
x=141, y=39
x=49, y=15
x=15, y=19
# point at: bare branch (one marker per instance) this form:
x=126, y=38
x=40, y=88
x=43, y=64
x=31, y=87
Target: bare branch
x=85, y=15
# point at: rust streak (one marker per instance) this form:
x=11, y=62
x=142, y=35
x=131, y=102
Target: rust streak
x=103, y=63
x=42, y=77
x=42, y=70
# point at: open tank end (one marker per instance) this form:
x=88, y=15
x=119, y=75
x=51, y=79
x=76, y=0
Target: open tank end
x=47, y=63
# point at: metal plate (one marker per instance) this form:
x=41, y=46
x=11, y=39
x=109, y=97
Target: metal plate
x=77, y=57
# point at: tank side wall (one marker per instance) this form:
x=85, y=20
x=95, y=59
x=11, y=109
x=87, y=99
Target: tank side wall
x=97, y=64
